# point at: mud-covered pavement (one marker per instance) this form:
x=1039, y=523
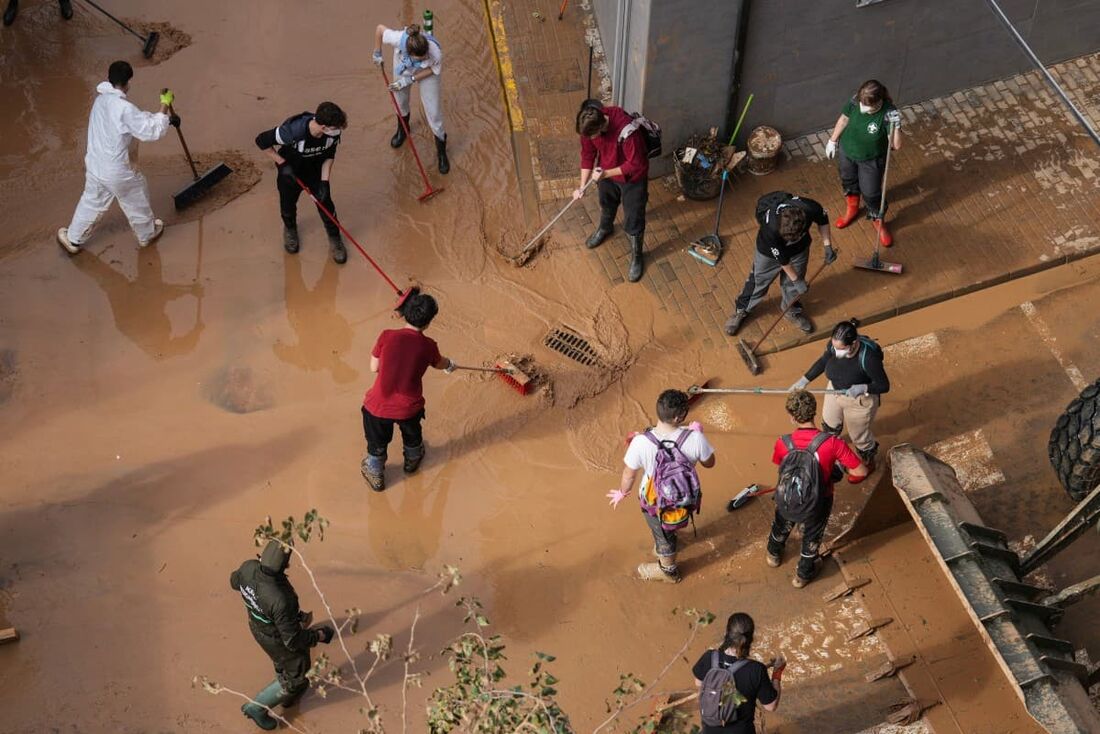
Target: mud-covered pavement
x=155, y=406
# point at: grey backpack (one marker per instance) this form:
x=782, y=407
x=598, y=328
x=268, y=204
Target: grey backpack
x=718, y=696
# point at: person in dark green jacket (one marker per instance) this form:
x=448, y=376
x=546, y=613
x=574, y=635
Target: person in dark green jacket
x=861, y=135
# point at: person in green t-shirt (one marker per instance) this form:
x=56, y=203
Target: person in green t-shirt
x=861, y=135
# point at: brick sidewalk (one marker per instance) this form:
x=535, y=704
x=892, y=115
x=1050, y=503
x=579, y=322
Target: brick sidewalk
x=990, y=183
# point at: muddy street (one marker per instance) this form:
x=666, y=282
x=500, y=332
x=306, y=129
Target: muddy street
x=158, y=403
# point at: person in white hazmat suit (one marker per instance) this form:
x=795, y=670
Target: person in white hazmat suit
x=112, y=127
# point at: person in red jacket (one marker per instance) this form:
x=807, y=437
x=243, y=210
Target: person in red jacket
x=614, y=154
x=400, y=358
x=832, y=451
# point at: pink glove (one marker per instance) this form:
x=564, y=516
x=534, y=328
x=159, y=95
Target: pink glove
x=616, y=496
x=630, y=437
x=696, y=426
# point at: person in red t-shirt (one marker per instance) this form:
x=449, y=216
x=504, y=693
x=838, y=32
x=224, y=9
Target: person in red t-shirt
x=400, y=358
x=802, y=407
x=622, y=175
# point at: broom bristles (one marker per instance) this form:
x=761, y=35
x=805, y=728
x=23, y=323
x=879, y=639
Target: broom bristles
x=514, y=377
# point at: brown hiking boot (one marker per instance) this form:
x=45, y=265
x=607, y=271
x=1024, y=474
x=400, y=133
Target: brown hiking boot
x=772, y=559
x=654, y=571
x=799, y=582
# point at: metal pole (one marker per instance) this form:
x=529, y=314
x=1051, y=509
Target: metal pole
x=591, y=50
x=1039, y=65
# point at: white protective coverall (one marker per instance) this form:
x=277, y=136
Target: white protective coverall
x=112, y=126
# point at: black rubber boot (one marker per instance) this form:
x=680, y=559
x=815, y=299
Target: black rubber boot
x=602, y=233
x=268, y=697
x=11, y=11
x=413, y=457
x=66, y=7
x=339, y=252
x=868, y=457
x=441, y=151
x=636, y=265
x=373, y=469
x=398, y=138
x=290, y=239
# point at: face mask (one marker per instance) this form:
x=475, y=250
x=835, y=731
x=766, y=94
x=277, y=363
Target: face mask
x=333, y=131
x=843, y=352
x=866, y=108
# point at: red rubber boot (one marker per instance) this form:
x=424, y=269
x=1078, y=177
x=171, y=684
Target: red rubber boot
x=851, y=213
x=884, y=236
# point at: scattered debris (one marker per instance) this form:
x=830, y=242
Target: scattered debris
x=889, y=668
x=908, y=711
x=845, y=588
x=866, y=628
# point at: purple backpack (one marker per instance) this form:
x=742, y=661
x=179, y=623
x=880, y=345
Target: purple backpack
x=675, y=483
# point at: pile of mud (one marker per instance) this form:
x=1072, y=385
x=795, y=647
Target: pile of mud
x=172, y=39
x=246, y=174
x=238, y=389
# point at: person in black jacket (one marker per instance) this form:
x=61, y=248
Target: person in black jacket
x=280, y=629
x=852, y=363
x=750, y=677
x=304, y=148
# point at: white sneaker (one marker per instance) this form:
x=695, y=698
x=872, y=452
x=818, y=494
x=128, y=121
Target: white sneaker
x=63, y=240
x=158, y=230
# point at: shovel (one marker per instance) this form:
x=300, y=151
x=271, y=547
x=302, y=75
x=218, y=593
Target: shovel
x=742, y=498
x=193, y=191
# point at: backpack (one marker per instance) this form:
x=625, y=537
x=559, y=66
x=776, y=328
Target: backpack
x=718, y=696
x=675, y=483
x=650, y=130
x=799, y=489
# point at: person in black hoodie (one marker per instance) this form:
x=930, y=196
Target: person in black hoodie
x=304, y=148
x=280, y=628
x=852, y=363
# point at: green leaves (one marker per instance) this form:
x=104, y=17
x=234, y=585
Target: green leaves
x=290, y=529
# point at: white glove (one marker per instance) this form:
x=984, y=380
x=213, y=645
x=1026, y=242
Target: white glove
x=451, y=366
x=856, y=390
x=894, y=118
x=800, y=385
x=400, y=83
x=830, y=150
x=376, y=57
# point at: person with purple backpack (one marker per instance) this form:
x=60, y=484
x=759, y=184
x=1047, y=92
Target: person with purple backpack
x=669, y=494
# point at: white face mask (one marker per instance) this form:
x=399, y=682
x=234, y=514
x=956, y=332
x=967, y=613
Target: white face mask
x=333, y=131
x=866, y=108
x=843, y=352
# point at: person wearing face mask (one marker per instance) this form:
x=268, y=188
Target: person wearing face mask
x=782, y=251
x=304, y=147
x=852, y=363
x=417, y=60
x=861, y=137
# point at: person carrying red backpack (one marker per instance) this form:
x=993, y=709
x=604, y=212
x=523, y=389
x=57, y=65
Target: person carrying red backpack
x=669, y=493
x=829, y=452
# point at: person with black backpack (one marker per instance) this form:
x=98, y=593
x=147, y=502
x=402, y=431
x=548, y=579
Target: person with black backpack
x=853, y=363
x=782, y=251
x=808, y=460
x=731, y=684
x=622, y=144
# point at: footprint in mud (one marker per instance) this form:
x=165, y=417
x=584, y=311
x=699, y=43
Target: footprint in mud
x=238, y=389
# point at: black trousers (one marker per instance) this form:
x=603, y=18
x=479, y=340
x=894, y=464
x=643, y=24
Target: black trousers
x=863, y=178
x=290, y=666
x=813, y=530
x=379, y=433
x=633, y=196
x=289, y=191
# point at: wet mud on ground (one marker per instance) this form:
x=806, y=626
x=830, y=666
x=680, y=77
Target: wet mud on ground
x=158, y=404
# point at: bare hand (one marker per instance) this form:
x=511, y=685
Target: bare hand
x=597, y=174
x=577, y=193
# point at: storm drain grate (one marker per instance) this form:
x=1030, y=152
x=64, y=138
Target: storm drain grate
x=572, y=345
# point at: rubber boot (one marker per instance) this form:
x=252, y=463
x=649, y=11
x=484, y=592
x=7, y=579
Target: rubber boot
x=399, y=137
x=290, y=239
x=664, y=569
x=884, y=236
x=868, y=456
x=269, y=696
x=799, y=582
x=413, y=456
x=441, y=153
x=373, y=469
x=339, y=252
x=636, y=266
x=66, y=7
x=603, y=231
x=11, y=11
x=850, y=213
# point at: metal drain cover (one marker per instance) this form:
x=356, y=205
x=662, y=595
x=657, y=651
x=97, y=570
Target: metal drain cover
x=568, y=342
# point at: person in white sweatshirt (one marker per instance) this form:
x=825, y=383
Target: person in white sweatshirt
x=113, y=125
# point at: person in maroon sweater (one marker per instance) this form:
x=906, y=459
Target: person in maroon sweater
x=400, y=358
x=802, y=407
x=618, y=160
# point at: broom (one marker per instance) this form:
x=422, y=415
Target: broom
x=193, y=191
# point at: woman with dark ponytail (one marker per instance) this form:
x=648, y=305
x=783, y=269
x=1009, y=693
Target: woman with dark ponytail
x=750, y=677
x=852, y=363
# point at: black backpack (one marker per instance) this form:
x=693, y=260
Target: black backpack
x=718, y=696
x=799, y=489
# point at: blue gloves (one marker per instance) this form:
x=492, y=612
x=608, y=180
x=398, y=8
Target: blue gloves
x=856, y=390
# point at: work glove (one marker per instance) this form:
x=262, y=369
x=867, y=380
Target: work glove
x=305, y=619
x=830, y=150
x=779, y=664
x=325, y=633
x=799, y=287
x=616, y=496
x=167, y=98
x=597, y=173
x=322, y=191
x=856, y=390
x=800, y=385
x=893, y=117
x=174, y=120
x=286, y=170
x=376, y=57
x=830, y=255
x=400, y=83
x=451, y=366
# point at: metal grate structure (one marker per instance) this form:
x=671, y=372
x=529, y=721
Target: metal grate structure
x=564, y=340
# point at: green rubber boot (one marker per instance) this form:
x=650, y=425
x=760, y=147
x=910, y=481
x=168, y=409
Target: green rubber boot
x=269, y=696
